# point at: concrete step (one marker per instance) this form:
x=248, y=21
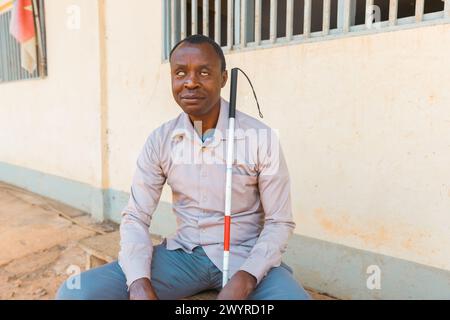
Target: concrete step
x=105, y=248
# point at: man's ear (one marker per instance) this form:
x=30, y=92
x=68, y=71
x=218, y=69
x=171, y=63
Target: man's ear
x=224, y=78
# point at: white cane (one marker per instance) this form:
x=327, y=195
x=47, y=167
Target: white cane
x=229, y=176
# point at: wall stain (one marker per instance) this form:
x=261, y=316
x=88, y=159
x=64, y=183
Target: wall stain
x=373, y=234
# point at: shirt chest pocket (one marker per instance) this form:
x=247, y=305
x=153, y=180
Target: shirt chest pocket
x=244, y=192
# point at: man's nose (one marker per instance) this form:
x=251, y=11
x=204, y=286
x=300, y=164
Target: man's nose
x=191, y=82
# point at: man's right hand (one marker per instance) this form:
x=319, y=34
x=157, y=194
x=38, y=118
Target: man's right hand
x=142, y=289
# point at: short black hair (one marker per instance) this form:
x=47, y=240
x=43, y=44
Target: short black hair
x=199, y=39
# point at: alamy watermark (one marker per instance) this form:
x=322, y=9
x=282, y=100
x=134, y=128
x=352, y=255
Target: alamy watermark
x=74, y=281
x=373, y=281
x=253, y=147
x=73, y=21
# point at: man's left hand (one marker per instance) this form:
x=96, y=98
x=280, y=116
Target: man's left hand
x=239, y=287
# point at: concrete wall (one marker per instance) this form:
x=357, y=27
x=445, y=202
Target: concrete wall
x=52, y=125
x=364, y=122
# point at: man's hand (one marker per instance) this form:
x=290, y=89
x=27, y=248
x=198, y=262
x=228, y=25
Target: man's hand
x=142, y=289
x=239, y=287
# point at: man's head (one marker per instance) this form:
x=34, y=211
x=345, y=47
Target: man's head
x=198, y=71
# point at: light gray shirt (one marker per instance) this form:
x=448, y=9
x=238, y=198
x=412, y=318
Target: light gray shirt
x=261, y=213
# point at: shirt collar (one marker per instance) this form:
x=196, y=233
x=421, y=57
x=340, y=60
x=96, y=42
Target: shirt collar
x=186, y=129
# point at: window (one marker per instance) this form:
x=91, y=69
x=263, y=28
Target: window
x=238, y=24
x=22, y=40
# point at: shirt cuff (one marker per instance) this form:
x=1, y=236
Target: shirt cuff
x=257, y=267
x=135, y=270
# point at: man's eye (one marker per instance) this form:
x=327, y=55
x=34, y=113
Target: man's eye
x=181, y=73
x=204, y=73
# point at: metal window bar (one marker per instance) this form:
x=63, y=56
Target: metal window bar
x=326, y=17
x=447, y=9
x=5, y=47
x=217, y=21
x=393, y=12
x=194, y=17
x=258, y=14
x=205, y=17
x=237, y=22
x=183, y=19
x=243, y=16
x=420, y=5
x=289, y=19
x=173, y=21
x=346, y=13
x=39, y=14
x=229, y=24
x=4, y=70
x=273, y=21
x=165, y=48
x=369, y=14
x=307, y=19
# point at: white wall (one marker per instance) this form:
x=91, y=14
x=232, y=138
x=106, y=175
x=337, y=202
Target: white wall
x=364, y=121
x=51, y=125
x=138, y=97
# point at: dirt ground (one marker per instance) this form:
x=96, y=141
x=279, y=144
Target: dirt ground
x=38, y=244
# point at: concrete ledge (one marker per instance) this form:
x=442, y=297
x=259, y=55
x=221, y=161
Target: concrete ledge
x=341, y=271
x=102, y=249
x=73, y=193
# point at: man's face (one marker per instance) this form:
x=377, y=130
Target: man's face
x=197, y=78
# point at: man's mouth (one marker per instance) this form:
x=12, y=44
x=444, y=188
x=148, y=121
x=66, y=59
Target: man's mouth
x=192, y=98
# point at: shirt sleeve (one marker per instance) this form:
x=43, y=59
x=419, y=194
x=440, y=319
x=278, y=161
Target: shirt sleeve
x=274, y=189
x=135, y=243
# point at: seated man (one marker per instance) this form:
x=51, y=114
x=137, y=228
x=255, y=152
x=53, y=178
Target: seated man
x=189, y=153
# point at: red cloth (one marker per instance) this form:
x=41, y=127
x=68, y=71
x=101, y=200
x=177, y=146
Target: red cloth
x=22, y=21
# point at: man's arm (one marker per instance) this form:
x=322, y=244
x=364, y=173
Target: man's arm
x=274, y=189
x=135, y=243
